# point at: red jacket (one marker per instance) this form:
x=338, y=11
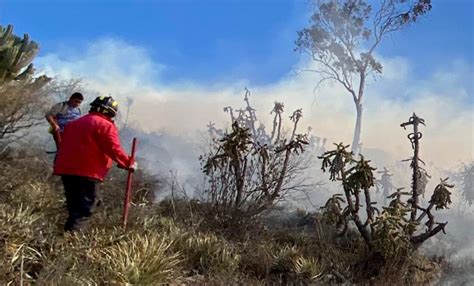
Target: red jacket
x=88, y=146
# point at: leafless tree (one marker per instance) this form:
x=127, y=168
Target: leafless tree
x=22, y=106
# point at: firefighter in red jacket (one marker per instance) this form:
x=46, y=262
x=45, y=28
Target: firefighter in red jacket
x=88, y=147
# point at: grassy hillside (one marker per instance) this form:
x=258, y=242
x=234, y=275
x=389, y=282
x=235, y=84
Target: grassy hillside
x=169, y=242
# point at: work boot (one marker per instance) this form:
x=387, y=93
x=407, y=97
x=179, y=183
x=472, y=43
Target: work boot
x=82, y=224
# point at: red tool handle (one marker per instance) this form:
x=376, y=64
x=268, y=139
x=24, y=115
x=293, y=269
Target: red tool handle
x=128, y=190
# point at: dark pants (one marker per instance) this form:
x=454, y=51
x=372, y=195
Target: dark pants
x=80, y=196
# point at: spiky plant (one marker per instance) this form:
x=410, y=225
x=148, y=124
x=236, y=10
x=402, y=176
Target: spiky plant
x=16, y=55
x=307, y=268
x=21, y=94
x=141, y=260
x=284, y=258
x=208, y=253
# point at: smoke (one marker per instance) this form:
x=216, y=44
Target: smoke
x=171, y=117
x=183, y=109
x=176, y=113
x=179, y=111
x=443, y=99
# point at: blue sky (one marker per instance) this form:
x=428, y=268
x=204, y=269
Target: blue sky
x=182, y=61
x=211, y=40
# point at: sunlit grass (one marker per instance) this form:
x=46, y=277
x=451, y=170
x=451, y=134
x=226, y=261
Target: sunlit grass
x=158, y=247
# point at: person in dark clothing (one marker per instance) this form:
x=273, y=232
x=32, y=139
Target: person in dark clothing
x=80, y=196
x=85, y=155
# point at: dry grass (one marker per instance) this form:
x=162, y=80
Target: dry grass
x=163, y=244
x=141, y=260
x=205, y=252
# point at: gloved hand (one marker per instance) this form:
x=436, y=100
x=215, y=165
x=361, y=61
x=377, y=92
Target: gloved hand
x=133, y=167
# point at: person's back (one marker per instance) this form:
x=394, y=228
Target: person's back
x=87, y=147
x=85, y=155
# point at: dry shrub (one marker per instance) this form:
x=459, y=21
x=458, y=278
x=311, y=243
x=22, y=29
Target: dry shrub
x=191, y=213
x=19, y=227
x=22, y=105
x=417, y=270
x=257, y=260
x=166, y=242
x=205, y=252
x=112, y=190
x=457, y=270
x=28, y=225
x=249, y=170
x=295, y=237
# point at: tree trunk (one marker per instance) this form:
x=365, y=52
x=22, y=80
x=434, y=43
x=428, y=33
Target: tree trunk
x=358, y=103
x=357, y=129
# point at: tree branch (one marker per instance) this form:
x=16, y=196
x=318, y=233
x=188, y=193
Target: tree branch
x=419, y=239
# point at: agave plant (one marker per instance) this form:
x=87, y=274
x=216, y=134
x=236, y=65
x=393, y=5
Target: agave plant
x=141, y=260
x=307, y=268
x=284, y=257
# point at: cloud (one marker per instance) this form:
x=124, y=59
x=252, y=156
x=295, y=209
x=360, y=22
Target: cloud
x=443, y=99
x=107, y=65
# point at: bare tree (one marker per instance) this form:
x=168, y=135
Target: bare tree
x=21, y=107
x=343, y=36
